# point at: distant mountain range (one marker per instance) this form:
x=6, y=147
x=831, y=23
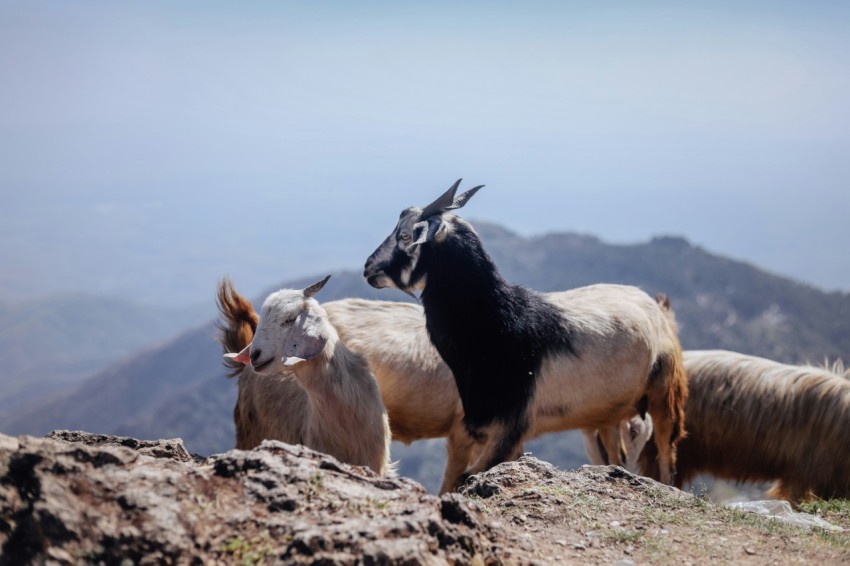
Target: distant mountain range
x=179, y=389
x=51, y=345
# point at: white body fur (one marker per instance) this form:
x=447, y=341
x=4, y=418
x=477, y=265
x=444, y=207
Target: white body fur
x=620, y=332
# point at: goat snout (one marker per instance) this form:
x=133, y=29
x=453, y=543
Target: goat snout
x=256, y=360
x=370, y=269
x=373, y=274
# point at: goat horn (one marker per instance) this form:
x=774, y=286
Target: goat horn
x=315, y=288
x=461, y=200
x=443, y=203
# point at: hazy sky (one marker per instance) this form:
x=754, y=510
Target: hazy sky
x=150, y=147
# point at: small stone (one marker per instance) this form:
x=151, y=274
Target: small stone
x=629, y=549
x=677, y=539
x=561, y=541
x=749, y=550
x=664, y=532
x=624, y=562
x=614, y=523
x=579, y=546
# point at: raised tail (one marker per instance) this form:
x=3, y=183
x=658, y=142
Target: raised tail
x=237, y=324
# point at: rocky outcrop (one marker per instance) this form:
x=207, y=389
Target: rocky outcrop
x=76, y=497
x=79, y=498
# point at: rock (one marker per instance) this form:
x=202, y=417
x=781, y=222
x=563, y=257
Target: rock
x=79, y=498
x=172, y=449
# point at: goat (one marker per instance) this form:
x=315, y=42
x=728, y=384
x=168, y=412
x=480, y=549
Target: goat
x=523, y=361
x=754, y=419
x=633, y=433
x=340, y=411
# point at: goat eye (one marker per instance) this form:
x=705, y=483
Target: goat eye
x=287, y=322
x=405, y=237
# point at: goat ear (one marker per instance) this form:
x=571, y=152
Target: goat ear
x=306, y=340
x=315, y=287
x=242, y=357
x=428, y=231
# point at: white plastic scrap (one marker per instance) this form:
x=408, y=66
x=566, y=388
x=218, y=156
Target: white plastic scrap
x=782, y=511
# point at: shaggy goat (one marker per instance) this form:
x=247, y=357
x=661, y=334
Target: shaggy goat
x=341, y=412
x=527, y=362
x=753, y=419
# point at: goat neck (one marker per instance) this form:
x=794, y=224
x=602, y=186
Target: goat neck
x=459, y=271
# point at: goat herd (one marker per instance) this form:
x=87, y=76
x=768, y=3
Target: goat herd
x=489, y=365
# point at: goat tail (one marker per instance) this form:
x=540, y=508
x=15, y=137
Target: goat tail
x=677, y=389
x=237, y=325
x=677, y=395
x=667, y=394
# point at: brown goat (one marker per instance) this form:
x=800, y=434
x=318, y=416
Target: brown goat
x=753, y=419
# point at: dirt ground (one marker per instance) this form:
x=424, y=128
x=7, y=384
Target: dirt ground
x=604, y=515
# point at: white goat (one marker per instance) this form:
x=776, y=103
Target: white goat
x=340, y=411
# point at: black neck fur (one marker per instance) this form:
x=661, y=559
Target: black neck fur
x=494, y=335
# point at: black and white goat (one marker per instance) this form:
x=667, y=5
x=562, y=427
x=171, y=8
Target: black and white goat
x=524, y=361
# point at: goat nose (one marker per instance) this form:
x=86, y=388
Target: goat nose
x=255, y=355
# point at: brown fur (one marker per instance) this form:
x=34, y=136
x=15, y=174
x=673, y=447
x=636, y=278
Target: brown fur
x=677, y=390
x=235, y=331
x=753, y=419
x=238, y=324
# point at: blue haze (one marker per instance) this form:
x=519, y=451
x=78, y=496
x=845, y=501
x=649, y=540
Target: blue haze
x=147, y=148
